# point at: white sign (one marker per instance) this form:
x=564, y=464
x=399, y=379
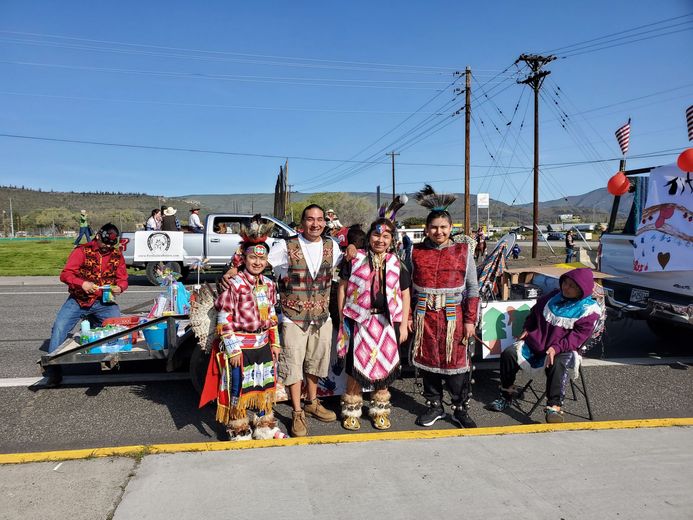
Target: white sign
x=501, y=323
x=567, y=217
x=158, y=246
x=664, y=239
x=482, y=200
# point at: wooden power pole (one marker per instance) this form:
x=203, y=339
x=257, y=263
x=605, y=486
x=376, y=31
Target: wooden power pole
x=392, y=154
x=535, y=80
x=467, y=130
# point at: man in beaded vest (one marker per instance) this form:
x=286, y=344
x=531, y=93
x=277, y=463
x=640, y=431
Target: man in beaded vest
x=304, y=266
x=445, y=308
x=89, y=268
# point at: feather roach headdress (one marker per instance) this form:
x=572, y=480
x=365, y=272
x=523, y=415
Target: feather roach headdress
x=390, y=211
x=257, y=230
x=434, y=201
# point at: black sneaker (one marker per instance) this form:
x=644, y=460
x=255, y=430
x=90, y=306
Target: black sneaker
x=461, y=418
x=429, y=417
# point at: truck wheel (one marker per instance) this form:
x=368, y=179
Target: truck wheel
x=153, y=267
x=667, y=332
x=199, y=361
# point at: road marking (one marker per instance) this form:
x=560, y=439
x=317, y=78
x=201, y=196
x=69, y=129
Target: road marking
x=157, y=449
x=493, y=364
x=129, y=291
x=13, y=382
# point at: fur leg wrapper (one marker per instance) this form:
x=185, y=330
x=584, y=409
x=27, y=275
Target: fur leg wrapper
x=379, y=410
x=266, y=428
x=351, y=411
x=239, y=429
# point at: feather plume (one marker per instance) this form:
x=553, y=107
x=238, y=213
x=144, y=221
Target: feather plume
x=257, y=230
x=429, y=199
x=203, y=317
x=389, y=211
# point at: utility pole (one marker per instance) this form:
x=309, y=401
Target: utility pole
x=11, y=220
x=467, y=130
x=392, y=154
x=535, y=80
x=377, y=196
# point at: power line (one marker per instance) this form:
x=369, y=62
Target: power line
x=311, y=82
x=207, y=105
x=626, y=43
x=578, y=44
x=229, y=53
x=656, y=153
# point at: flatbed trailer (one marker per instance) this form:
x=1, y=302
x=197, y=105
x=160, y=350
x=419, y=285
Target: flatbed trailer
x=180, y=351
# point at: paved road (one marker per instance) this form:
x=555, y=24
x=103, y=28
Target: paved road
x=103, y=413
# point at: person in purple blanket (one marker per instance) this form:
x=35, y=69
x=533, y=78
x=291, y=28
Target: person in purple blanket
x=558, y=325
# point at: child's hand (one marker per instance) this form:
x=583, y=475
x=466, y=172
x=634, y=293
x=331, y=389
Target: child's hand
x=550, y=354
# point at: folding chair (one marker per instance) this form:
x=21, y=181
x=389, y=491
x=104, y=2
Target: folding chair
x=575, y=387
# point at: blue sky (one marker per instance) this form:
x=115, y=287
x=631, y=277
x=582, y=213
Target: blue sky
x=324, y=82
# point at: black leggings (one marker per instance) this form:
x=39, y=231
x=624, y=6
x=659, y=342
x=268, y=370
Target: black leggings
x=556, y=374
x=458, y=386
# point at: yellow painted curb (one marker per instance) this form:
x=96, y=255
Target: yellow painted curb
x=142, y=450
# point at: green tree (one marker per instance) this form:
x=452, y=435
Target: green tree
x=349, y=209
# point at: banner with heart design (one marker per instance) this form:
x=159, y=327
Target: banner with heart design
x=664, y=237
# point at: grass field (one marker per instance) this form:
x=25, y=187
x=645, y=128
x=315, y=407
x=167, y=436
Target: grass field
x=33, y=257
x=37, y=257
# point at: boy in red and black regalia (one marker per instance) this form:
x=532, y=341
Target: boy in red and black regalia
x=241, y=372
x=444, y=308
x=89, y=268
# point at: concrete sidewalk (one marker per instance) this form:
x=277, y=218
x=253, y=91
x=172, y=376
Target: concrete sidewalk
x=594, y=474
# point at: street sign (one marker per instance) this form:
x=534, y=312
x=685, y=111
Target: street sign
x=482, y=200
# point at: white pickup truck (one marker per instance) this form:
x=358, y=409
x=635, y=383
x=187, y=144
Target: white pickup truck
x=177, y=250
x=663, y=298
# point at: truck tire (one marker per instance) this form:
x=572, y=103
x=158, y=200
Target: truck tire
x=669, y=333
x=152, y=267
x=199, y=361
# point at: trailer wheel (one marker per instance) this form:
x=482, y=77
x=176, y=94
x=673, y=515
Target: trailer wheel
x=153, y=267
x=199, y=361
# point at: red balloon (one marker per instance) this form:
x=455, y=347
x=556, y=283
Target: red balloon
x=618, y=184
x=685, y=161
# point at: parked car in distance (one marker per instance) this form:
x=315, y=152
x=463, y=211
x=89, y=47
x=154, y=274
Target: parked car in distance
x=555, y=235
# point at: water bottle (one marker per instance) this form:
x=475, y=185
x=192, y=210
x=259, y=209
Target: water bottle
x=85, y=329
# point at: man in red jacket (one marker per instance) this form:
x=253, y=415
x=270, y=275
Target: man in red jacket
x=89, y=268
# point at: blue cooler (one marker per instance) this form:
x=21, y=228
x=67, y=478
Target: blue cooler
x=155, y=336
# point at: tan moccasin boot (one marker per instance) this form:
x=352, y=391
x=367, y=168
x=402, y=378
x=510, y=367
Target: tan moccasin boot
x=317, y=410
x=299, y=428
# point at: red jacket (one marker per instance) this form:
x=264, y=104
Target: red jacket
x=110, y=269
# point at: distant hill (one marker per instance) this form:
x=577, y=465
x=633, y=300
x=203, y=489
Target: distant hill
x=130, y=210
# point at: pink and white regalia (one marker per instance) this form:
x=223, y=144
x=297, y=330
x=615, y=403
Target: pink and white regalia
x=374, y=336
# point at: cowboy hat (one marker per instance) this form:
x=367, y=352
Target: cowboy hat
x=83, y=212
x=169, y=211
x=194, y=208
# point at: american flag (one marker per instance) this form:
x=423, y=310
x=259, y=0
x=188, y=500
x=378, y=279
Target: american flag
x=689, y=122
x=623, y=136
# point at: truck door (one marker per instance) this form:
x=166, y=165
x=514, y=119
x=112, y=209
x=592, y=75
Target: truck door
x=223, y=238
